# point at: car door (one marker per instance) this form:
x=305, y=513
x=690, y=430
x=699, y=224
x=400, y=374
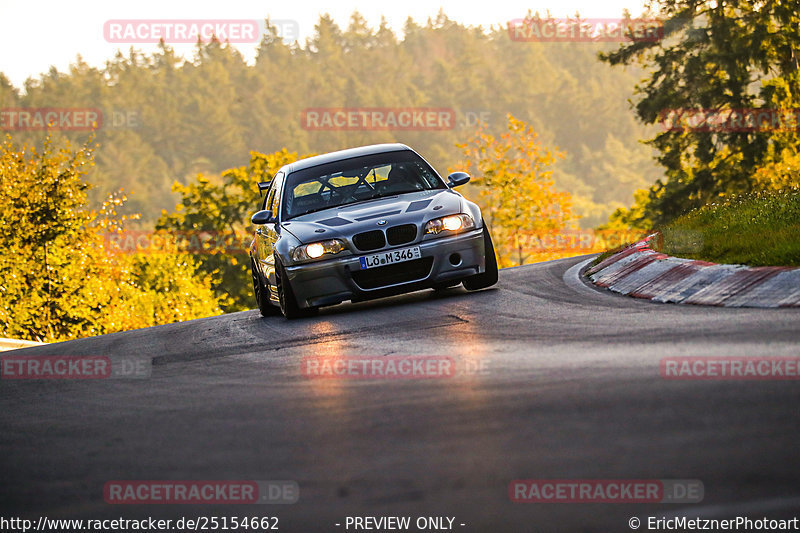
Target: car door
x=268, y=234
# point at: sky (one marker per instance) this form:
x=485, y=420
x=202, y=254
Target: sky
x=38, y=35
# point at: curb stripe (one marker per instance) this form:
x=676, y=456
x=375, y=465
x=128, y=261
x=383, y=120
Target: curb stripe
x=780, y=290
x=665, y=280
x=717, y=293
x=608, y=261
x=641, y=272
x=632, y=267
x=628, y=265
x=702, y=278
x=643, y=276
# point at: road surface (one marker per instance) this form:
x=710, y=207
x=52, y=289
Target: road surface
x=555, y=380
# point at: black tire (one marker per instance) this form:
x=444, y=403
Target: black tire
x=287, y=298
x=489, y=276
x=261, y=293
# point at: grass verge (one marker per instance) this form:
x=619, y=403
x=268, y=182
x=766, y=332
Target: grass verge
x=760, y=229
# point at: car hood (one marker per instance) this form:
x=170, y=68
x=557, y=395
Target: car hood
x=345, y=221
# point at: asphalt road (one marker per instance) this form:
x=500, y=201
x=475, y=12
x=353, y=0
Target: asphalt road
x=570, y=389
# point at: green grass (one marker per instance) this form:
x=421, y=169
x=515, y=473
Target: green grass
x=760, y=229
x=608, y=253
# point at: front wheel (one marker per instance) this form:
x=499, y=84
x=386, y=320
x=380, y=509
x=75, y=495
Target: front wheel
x=286, y=296
x=489, y=276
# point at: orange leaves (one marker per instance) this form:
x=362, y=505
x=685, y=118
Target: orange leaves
x=513, y=182
x=58, y=281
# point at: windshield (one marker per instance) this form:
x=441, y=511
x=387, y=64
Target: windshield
x=357, y=180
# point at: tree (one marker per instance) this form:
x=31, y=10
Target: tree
x=9, y=97
x=514, y=182
x=205, y=113
x=58, y=277
x=716, y=58
x=225, y=209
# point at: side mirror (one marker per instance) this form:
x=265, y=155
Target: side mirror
x=457, y=178
x=263, y=217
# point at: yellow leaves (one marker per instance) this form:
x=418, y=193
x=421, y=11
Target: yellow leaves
x=60, y=282
x=779, y=175
x=514, y=186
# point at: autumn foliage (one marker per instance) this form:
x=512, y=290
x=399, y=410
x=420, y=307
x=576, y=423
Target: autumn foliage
x=512, y=176
x=57, y=279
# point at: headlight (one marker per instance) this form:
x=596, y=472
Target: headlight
x=315, y=250
x=450, y=223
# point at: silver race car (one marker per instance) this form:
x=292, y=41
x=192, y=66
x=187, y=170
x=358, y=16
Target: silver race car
x=364, y=223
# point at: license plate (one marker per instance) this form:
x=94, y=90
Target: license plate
x=389, y=258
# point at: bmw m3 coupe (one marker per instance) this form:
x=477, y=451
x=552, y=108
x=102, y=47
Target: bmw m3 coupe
x=364, y=223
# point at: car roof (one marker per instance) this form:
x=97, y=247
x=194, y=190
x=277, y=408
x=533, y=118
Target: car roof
x=341, y=155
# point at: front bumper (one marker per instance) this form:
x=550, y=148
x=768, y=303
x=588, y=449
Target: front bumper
x=331, y=281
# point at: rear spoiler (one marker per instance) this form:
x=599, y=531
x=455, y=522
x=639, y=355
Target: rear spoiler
x=263, y=186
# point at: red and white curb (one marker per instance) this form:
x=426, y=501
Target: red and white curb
x=641, y=272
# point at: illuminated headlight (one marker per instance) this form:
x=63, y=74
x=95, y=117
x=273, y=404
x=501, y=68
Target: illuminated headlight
x=450, y=223
x=315, y=250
